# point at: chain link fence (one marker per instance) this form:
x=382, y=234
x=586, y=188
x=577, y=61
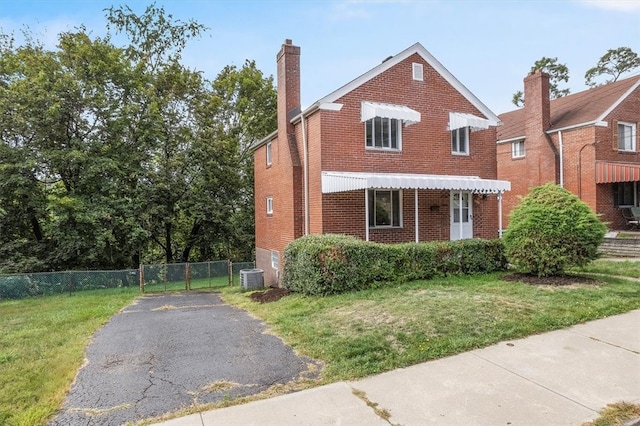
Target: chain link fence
x=149, y=278
x=18, y=286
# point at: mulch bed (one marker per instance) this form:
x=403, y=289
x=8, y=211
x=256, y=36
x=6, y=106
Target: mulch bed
x=270, y=295
x=560, y=280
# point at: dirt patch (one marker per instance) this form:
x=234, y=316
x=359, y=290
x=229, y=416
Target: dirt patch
x=555, y=280
x=270, y=295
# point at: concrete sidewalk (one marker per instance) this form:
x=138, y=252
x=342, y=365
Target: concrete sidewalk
x=559, y=378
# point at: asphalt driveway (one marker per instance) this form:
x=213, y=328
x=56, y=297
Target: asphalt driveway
x=166, y=352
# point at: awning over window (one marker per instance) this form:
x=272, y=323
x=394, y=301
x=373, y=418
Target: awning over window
x=458, y=120
x=351, y=181
x=617, y=172
x=400, y=112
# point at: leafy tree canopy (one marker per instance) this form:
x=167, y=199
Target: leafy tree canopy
x=613, y=63
x=111, y=156
x=558, y=73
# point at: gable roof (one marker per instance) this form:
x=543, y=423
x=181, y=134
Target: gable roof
x=583, y=108
x=418, y=49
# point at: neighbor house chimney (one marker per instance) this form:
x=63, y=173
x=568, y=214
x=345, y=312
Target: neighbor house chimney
x=536, y=102
x=288, y=86
x=541, y=153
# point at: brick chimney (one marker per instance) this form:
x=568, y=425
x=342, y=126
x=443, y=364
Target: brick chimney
x=536, y=102
x=288, y=82
x=541, y=154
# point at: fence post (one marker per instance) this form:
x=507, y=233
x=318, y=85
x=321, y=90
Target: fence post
x=230, y=272
x=187, y=276
x=164, y=276
x=141, y=278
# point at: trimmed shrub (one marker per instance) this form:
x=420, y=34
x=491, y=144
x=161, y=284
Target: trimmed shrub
x=550, y=230
x=331, y=264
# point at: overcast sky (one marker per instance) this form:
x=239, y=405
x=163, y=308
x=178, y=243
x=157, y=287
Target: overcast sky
x=488, y=45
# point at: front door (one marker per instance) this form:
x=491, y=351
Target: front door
x=461, y=215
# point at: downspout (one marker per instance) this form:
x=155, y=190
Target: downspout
x=561, y=159
x=305, y=155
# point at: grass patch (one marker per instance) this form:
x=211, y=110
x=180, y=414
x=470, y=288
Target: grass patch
x=363, y=333
x=616, y=414
x=42, y=346
x=624, y=268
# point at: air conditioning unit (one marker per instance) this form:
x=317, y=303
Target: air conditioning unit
x=251, y=279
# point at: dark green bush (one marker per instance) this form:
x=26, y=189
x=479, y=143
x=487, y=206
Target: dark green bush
x=551, y=230
x=331, y=264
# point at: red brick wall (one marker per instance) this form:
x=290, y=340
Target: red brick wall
x=426, y=149
x=344, y=213
x=426, y=146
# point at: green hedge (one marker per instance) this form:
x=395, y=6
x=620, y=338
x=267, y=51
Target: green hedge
x=331, y=264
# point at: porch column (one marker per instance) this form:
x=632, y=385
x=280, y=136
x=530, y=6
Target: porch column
x=366, y=214
x=460, y=213
x=415, y=196
x=500, y=214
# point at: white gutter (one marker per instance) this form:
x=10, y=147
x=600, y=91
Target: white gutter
x=597, y=123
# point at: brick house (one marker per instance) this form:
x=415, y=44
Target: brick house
x=402, y=153
x=586, y=142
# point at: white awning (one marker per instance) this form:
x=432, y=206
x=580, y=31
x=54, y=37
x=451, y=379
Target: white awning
x=458, y=120
x=400, y=112
x=352, y=181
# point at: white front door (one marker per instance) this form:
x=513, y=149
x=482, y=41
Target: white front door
x=461, y=215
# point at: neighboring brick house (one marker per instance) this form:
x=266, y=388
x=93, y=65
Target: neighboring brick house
x=586, y=142
x=402, y=153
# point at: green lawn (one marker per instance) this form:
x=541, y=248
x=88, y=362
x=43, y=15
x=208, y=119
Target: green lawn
x=42, y=340
x=368, y=332
x=42, y=344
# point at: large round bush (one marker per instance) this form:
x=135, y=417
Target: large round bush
x=551, y=230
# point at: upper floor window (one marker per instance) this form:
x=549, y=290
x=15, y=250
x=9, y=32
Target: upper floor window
x=385, y=208
x=269, y=205
x=268, y=153
x=383, y=133
x=418, y=72
x=517, y=149
x=460, y=141
x=626, y=136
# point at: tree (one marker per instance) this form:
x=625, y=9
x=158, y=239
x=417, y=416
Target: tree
x=557, y=74
x=110, y=156
x=551, y=230
x=614, y=63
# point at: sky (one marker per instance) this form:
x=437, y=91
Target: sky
x=489, y=46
